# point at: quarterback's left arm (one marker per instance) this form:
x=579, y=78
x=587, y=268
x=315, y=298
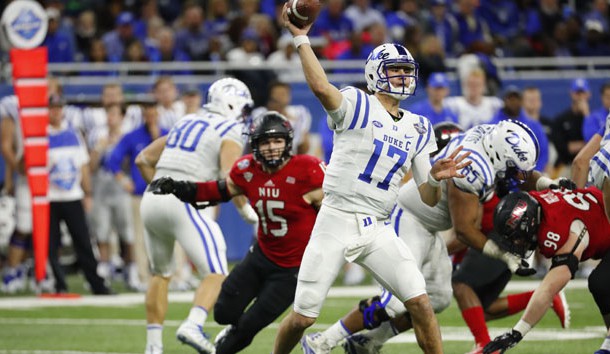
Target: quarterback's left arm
x=147, y=159
x=445, y=168
x=554, y=281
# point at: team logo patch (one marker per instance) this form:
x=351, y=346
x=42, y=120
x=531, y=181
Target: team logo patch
x=420, y=127
x=550, y=197
x=248, y=176
x=269, y=183
x=516, y=214
x=377, y=124
x=291, y=180
x=243, y=164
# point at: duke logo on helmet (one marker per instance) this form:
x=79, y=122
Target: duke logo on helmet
x=231, y=98
x=387, y=56
x=512, y=148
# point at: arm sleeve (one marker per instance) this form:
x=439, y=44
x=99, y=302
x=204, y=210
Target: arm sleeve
x=351, y=108
x=421, y=168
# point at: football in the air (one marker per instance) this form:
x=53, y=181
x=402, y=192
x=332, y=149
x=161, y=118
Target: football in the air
x=303, y=12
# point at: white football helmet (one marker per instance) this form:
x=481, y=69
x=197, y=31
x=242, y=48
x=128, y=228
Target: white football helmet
x=7, y=219
x=230, y=97
x=376, y=71
x=512, y=147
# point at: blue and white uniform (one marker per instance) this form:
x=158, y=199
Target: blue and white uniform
x=192, y=152
x=371, y=155
x=599, y=167
x=419, y=225
x=67, y=155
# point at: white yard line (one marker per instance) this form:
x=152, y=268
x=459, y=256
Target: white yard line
x=131, y=299
x=450, y=333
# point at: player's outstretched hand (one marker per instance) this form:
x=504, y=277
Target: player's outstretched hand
x=517, y=265
x=564, y=183
x=294, y=30
x=448, y=167
x=503, y=343
x=184, y=190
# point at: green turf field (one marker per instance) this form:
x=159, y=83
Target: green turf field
x=120, y=328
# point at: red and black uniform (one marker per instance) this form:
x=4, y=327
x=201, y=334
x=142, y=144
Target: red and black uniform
x=268, y=273
x=559, y=209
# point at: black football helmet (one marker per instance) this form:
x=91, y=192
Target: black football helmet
x=271, y=125
x=516, y=221
x=443, y=132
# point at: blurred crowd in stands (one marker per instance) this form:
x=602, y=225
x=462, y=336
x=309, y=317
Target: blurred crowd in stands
x=248, y=30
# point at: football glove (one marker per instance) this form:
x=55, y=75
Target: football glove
x=184, y=190
x=564, y=183
x=517, y=265
x=503, y=343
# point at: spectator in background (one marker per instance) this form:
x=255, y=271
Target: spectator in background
x=532, y=105
x=69, y=197
x=406, y=16
x=128, y=148
x=335, y=26
x=60, y=44
x=442, y=25
x=194, y=36
x=285, y=56
x=541, y=22
x=266, y=32
x=472, y=27
x=473, y=108
x=358, y=50
x=431, y=57
x=299, y=116
x=567, y=126
x=118, y=39
x=170, y=108
x=136, y=53
x=599, y=12
x=597, y=119
x=218, y=17
x=432, y=108
x=363, y=15
x=192, y=99
x=97, y=56
x=86, y=32
x=148, y=12
x=512, y=110
x=594, y=43
x=503, y=19
x=166, y=51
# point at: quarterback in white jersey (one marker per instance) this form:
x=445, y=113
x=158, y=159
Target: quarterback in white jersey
x=507, y=150
x=200, y=147
x=375, y=144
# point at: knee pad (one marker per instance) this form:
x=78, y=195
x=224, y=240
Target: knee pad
x=598, y=286
x=373, y=312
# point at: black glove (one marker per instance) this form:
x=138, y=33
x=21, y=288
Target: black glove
x=564, y=183
x=184, y=190
x=524, y=270
x=503, y=342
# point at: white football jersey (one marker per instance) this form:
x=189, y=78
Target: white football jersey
x=469, y=115
x=606, y=137
x=599, y=167
x=479, y=179
x=192, y=150
x=371, y=153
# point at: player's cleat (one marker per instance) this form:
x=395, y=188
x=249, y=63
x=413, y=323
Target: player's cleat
x=360, y=344
x=220, y=337
x=153, y=349
x=602, y=351
x=14, y=280
x=562, y=309
x=315, y=343
x=191, y=334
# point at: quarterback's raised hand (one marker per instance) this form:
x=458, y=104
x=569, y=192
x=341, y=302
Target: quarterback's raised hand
x=184, y=190
x=503, y=343
x=448, y=167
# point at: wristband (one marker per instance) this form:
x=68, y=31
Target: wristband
x=543, y=183
x=300, y=40
x=522, y=327
x=433, y=182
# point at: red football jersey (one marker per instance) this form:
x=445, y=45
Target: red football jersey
x=285, y=219
x=560, y=208
x=487, y=222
